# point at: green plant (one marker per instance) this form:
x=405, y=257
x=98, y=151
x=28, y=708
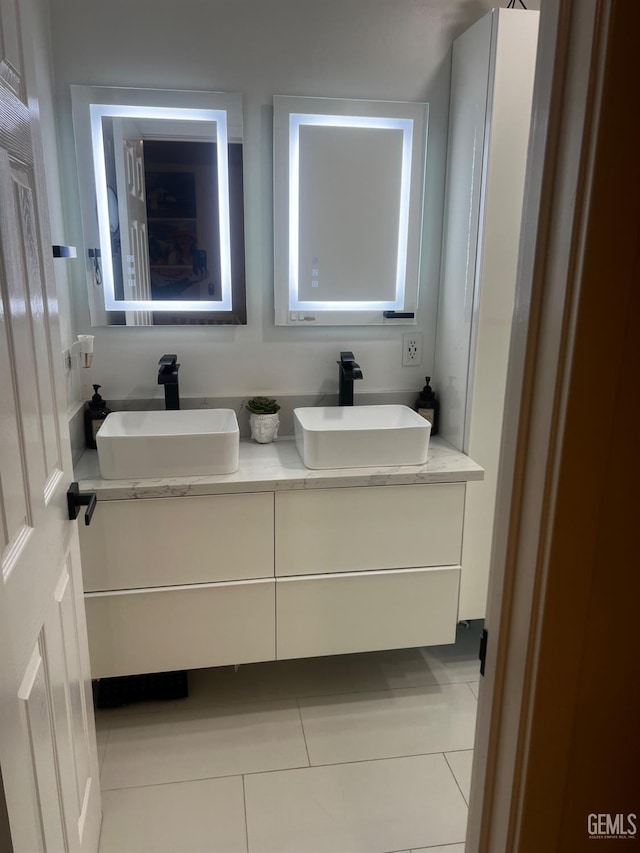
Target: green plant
x=262, y=406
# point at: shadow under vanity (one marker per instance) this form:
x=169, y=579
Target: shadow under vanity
x=274, y=561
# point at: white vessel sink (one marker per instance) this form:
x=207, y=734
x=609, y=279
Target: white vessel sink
x=168, y=444
x=361, y=436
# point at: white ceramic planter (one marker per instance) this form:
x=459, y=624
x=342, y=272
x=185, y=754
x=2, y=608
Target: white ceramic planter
x=264, y=428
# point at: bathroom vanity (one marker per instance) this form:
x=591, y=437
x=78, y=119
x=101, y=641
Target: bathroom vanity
x=272, y=562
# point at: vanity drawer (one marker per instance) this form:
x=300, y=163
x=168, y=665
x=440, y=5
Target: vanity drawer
x=181, y=627
x=366, y=528
x=165, y=541
x=360, y=612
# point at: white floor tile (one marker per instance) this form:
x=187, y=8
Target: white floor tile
x=363, y=726
x=448, y=848
x=388, y=669
x=260, y=682
x=191, y=817
x=459, y=661
x=148, y=749
x=474, y=686
x=460, y=764
x=398, y=668
x=367, y=807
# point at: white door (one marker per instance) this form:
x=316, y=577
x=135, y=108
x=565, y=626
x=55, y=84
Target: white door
x=47, y=734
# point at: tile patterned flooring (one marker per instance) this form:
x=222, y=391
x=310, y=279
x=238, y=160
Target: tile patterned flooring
x=367, y=753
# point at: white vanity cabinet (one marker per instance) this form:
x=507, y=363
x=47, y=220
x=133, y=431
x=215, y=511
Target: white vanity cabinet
x=372, y=527
x=133, y=544
x=359, y=569
x=180, y=627
x=179, y=583
x=335, y=614
x=277, y=563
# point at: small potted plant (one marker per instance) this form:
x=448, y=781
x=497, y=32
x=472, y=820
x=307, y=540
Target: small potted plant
x=263, y=418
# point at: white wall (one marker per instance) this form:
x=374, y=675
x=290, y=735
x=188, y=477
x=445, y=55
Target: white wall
x=386, y=49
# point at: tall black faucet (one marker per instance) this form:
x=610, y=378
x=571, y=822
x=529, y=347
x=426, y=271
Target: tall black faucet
x=348, y=371
x=168, y=376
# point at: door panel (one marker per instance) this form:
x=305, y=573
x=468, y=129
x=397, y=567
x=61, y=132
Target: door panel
x=10, y=48
x=29, y=340
x=40, y=749
x=17, y=515
x=69, y=704
x=40, y=339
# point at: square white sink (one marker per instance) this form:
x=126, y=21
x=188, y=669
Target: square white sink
x=361, y=436
x=184, y=443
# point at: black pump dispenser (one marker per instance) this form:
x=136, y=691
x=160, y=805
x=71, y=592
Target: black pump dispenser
x=94, y=417
x=428, y=406
x=96, y=403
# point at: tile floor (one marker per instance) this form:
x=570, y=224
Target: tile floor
x=367, y=753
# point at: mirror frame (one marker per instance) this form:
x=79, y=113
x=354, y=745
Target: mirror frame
x=90, y=104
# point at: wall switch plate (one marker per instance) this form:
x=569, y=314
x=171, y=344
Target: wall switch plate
x=412, y=349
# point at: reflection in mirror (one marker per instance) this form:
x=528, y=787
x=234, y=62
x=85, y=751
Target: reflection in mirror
x=166, y=210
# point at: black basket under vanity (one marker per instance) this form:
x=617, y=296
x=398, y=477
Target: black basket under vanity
x=149, y=687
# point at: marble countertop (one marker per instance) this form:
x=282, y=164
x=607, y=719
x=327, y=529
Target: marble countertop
x=278, y=467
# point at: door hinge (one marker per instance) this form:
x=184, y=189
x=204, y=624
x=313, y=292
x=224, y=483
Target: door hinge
x=483, y=649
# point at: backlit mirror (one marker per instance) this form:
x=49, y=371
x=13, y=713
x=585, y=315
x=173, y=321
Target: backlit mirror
x=161, y=188
x=348, y=187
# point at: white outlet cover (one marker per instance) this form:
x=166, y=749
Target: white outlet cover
x=412, y=349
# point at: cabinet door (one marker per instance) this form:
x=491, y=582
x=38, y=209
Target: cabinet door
x=359, y=529
x=166, y=541
x=360, y=612
x=181, y=627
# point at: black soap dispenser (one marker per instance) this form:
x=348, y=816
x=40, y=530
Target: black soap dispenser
x=428, y=406
x=94, y=417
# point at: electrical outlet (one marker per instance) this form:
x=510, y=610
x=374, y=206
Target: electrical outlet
x=412, y=349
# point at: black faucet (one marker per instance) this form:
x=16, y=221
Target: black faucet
x=168, y=376
x=348, y=371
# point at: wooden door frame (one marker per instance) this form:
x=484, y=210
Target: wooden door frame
x=545, y=753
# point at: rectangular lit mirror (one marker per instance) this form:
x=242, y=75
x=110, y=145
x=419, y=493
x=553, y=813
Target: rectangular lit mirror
x=161, y=189
x=348, y=194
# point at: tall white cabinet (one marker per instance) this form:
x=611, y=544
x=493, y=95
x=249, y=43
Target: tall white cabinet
x=490, y=111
